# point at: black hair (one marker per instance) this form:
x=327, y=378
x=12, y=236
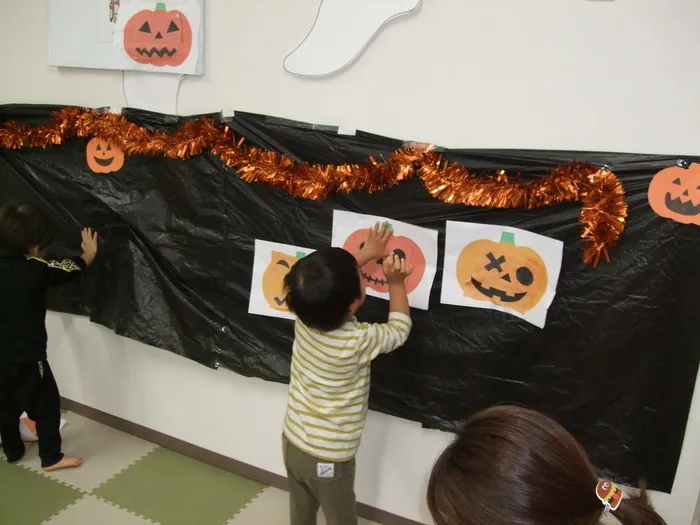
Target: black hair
x=23, y=226
x=321, y=287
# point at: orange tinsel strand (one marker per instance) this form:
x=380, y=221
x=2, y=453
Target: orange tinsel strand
x=599, y=190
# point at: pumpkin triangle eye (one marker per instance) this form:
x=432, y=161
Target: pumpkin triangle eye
x=145, y=28
x=99, y=148
x=677, y=181
x=109, y=147
x=172, y=27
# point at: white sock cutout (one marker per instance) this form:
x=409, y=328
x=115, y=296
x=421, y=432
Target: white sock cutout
x=342, y=30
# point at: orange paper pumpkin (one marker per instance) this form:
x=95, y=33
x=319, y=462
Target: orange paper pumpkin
x=103, y=156
x=273, y=279
x=674, y=193
x=372, y=273
x=159, y=37
x=507, y=275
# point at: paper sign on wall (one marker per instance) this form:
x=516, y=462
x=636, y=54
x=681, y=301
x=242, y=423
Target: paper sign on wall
x=272, y=262
x=502, y=268
x=145, y=35
x=417, y=245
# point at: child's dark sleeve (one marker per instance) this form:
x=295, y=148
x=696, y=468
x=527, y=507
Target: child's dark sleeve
x=56, y=273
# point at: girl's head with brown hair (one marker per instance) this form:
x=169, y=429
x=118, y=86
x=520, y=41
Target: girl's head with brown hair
x=513, y=466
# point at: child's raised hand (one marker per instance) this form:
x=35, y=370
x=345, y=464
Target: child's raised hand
x=396, y=269
x=374, y=246
x=89, y=244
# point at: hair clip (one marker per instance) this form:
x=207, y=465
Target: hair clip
x=609, y=494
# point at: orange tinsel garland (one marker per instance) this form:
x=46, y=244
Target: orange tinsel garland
x=599, y=190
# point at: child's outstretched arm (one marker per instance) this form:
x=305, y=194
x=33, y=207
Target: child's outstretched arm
x=374, y=246
x=386, y=337
x=56, y=273
x=396, y=271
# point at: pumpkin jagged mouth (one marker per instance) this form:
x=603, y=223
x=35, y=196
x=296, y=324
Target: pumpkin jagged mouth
x=373, y=280
x=153, y=51
x=104, y=162
x=682, y=208
x=499, y=294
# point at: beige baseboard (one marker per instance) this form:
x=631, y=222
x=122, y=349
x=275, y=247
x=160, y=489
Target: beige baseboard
x=217, y=460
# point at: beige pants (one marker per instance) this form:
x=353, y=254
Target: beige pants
x=311, y=486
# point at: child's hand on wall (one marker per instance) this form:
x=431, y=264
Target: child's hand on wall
x=396, y=269
x=89, y=245
x=374, y=246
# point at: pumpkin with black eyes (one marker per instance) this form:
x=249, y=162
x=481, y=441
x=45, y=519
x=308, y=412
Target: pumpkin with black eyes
x=103, y=156
x=372, y=273
x=507, y=275
x=159, y=37
x=273, y=279
x=674, y=193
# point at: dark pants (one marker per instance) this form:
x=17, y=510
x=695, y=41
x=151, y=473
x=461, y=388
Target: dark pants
x=31, y=388
x=307, y=491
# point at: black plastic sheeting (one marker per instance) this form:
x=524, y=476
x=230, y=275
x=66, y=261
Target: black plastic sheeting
x=616, y=363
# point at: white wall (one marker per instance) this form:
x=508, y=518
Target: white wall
x=547, y=74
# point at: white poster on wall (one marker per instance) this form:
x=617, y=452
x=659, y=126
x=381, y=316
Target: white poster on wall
x=271, y=263
x=501, y=268
x=141, y=35
x=415, y=244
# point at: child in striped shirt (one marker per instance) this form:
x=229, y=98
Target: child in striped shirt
x=330, y=374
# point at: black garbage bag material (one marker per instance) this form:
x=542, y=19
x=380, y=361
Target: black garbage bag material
x=616, y=362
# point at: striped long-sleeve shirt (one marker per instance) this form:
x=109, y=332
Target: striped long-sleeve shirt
x=329, y=386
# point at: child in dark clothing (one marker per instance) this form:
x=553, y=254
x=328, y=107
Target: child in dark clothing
x=26, y=381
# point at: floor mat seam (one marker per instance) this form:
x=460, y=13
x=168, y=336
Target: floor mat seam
x=129, y=511
x=125, y=468
x=64, y=509
x=245, y=507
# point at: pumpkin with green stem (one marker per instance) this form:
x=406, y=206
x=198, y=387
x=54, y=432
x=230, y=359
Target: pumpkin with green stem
x=500, y=272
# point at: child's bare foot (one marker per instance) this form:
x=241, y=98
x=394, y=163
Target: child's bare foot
x=66, y=462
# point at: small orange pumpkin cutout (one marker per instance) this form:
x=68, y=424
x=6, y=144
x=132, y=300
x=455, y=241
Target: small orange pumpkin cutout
x=159, y=37
x=511, y=276
x=372, y=273
x=273, y=279
x=674, y=193
x=103, y=156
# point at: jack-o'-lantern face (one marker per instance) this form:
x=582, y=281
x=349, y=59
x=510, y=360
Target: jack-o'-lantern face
x=372, y=273
x=103, y=156
x=273, y=279
x=507, y=275
x=160, y=37
x=674, y=193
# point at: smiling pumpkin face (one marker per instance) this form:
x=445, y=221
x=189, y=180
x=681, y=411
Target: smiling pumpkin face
x=159, y=37
x=674, y=193
x=103, y=156
x=273, y=279
x=507, y=275
x=372, y=273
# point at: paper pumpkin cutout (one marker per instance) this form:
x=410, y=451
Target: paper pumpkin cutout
x=372, y=273
x=508, y=275
x=273, y=279
x=158, y=37
x=103, y=156
x=674, y=193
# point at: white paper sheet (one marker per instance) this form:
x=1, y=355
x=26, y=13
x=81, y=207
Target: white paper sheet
x=272, y=261
x=419, y=245
x=83, y=33
x=502, y=268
